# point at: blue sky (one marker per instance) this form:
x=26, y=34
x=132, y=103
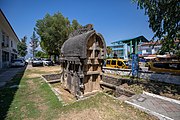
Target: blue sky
x=114, y=19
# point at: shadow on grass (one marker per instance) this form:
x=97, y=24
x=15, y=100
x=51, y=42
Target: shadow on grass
x=8, y=92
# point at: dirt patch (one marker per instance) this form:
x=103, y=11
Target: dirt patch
x=65, y=95
x=33, y=75
x=42, y=107
x=34, y=72
x=89, y=114
x=52, y=69
x=123, y=98
x=108, y=110
x=31, y=85
x=23, y=109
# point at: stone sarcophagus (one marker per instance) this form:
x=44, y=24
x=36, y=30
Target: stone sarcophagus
x=82, y=60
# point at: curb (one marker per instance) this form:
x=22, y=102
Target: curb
x=162, y=97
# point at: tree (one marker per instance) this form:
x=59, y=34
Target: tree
x=34, y=43
x=75, y=25
x=108, y=50
x=168, y=47
x=22, y=47
x=54, y=31
x=178, y=54
x=164, y=20
x=41, y=54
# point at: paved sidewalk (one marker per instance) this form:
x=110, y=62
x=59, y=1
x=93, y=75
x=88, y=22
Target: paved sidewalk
x=162, y=107
x=8, y=75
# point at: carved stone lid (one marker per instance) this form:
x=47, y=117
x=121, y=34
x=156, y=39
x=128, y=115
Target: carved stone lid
x=76, y=46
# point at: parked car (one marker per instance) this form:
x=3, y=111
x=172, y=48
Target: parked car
x=18, y=63
x=23, y=60
x=37, y=62
x=30, y=60
x=27, y=61
x=117, y=63
x=47, y=62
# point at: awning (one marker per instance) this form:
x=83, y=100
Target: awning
x=127, y=41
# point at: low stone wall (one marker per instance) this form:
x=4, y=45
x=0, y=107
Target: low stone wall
x=114, y=80
x=147, y=75
x=116, y=90
x=111, y=80
x=51, y=78
x=120, y=91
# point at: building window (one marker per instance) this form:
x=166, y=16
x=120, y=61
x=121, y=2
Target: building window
x=7, y=41
x=5, y=56
x=120, y=52
x=15, y=57
x=12, y=56
x=148, y=50
x=11, y=43
x=3, y=39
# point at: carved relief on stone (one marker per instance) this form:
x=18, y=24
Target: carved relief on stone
x=82, y=30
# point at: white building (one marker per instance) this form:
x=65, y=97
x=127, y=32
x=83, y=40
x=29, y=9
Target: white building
x=147, y=48
x=8, y=42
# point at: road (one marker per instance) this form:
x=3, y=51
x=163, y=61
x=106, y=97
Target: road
x=7, y=75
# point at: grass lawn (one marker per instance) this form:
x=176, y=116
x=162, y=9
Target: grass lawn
x=33, y=99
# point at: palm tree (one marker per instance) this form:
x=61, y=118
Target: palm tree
x=108, y=50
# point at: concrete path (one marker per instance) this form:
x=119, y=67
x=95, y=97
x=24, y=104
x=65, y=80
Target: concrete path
x=8, y=75
x=162, y=107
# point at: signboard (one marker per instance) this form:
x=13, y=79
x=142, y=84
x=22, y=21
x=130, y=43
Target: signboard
x=135, y=65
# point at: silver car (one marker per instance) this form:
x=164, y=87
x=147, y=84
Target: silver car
x=47, y=62
x=37, y=62
x=18, y=63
